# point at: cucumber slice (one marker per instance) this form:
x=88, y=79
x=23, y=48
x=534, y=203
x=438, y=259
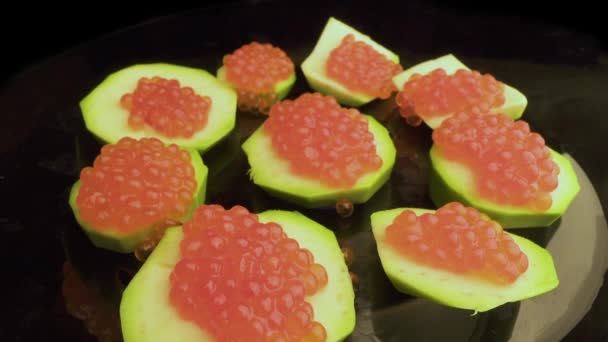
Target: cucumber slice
x=105, y=118
x=272, y=173
x=515, y=101
x=451, y=181
x=121, y=242
x=457, y=290
x=147, y=315
x=313, y=66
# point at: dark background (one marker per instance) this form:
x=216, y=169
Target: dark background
x=32, y=32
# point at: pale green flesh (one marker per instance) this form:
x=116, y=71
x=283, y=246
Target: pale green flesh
x=106, y=119
x=313, y=66
x=453, y=181
x=515, y=101
x=145, y=311
x=282, y=88
x=117, y=241
x=456, y=290
x=273, y=174
x=147, y=315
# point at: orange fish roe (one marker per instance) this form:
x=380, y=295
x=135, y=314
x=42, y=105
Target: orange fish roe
x=458, y=239
x=322, y=140
x=438, y=94
x=511, y=165
x=136, y=183
x=243, y=280
x=171, y=110
x=254, y=70
x=357, y=66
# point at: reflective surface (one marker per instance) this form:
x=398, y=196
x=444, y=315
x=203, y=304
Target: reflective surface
x=58, y=285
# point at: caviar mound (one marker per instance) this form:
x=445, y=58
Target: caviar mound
x=264, y=75
x=123, y=213
x=460, y=240
x=147, y=314
x=514, y=101
x=165, y=107
x=360, y=68
x=108, y=119
x=238, y=277
x=275, y=174
x=322, y=141
x=314, y=66
x=511, y=165
x=498, y=166
x=455, y=290
x=430, y=96
x=451, y=181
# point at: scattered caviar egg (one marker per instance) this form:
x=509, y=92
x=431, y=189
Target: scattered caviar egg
x=143, y=250
x=439, y=94
x=145, y=247
x=322, y=140
x=354, y=278
x=239, y=278
x=166, y=107
x=255, y=70
x=360, y=68
x=345, y=208
x=349, y=255
x=511, y=164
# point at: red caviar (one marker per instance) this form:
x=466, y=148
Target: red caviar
x=511, y=165
x=166, y=107
x=323, y=141
x=438, y=94
x=136, y=183
x=458, y=239
x=243, y=280
x=359, y=67
x=254, y=70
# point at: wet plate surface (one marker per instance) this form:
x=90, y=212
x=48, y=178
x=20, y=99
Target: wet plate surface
x=56, y=284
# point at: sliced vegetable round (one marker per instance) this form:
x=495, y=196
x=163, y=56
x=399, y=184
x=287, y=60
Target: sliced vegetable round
x=108, y=119
x=148, y=315
x=457, y=290
x=131, y=194
x=288, y=179
x=514, y=101
x=314, y=66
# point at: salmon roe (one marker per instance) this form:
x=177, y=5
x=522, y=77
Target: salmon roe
x=136, y=183
x=511, y=165
x=458, y=239
x=243, y=280
x=323, y=141
x=359, y=67
x=166, y=107
x=254, y=70
x=438, y=94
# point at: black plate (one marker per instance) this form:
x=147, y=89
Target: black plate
x=58, y=286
